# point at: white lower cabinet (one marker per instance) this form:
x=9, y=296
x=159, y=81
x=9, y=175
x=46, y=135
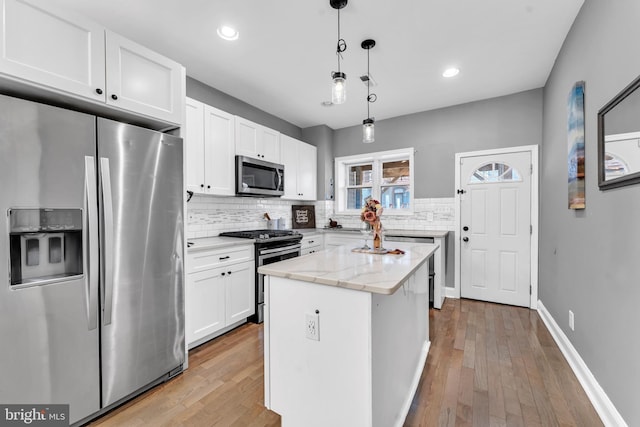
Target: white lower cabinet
x=218, y=297
x=312, y=243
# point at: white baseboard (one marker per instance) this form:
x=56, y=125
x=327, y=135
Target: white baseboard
x=451, y=293
x=404, y=411
x=599, y=399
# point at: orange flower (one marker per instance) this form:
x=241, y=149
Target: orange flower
x=370, y=216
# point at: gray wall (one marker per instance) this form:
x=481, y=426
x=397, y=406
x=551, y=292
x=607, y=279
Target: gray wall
x=203, y=93
x=437, y=135
x=589, y=260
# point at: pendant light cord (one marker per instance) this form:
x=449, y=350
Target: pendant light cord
x=371, y=97
x=341, y=45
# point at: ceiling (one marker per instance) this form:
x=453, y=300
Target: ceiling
x=285, y=54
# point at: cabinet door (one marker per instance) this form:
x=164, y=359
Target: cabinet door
x=307, y=171
x=194, y=146
x=219, y=151
x=205, y=303
x=289, y=158
x=246, y=137
x=143, y=81
x=54, y=48
x=270, y=145
x=240, y=292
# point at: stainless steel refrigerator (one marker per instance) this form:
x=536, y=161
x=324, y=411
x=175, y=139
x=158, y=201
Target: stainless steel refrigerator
x=91, y=258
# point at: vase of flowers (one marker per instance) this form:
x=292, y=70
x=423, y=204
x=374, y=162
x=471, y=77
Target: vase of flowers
x=370, y=213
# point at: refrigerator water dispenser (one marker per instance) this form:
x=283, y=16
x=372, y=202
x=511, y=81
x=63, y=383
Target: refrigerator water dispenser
x=45, y=245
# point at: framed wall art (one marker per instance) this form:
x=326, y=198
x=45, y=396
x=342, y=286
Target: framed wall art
x=575, y=139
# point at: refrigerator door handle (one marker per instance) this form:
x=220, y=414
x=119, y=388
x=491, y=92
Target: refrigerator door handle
x=107, y=203
x=91, y=264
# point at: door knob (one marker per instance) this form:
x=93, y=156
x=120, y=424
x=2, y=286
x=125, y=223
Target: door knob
x=465, y=239
x=465, y=228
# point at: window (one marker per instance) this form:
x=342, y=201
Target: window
x=494, y=172
x=386, y=176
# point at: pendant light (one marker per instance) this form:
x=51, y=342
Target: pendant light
x=339, y=88
x=368, y=129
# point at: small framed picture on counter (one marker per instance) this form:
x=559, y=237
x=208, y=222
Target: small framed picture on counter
x=303, y=216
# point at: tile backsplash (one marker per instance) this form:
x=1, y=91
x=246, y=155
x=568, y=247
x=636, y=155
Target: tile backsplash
x=208, y=216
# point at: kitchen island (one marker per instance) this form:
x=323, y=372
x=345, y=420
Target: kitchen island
x=346, y=335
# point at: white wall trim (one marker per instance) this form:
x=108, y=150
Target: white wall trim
x=533, y=149
x=451, y=293
x=599, y=399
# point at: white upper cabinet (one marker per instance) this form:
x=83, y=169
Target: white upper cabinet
x=210, y=148
x=66, y=53
x=219, y=144
x=143, y=81
x=194, y=146
x=60, y=50
x=300, y=169
x=257, y=141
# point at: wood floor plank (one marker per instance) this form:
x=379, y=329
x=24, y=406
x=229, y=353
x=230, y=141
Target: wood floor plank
x=488, y=365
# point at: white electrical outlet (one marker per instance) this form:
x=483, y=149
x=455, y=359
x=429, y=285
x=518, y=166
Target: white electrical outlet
x=312, y=326
x=571, y=320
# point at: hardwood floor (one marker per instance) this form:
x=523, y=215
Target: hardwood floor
x=489, y=365
x=496, y=365
x=224, y=386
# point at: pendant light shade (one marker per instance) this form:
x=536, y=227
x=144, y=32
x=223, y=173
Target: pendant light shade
x=368, y=126
x=368, y=130
x=339, y=87
x=339, y=92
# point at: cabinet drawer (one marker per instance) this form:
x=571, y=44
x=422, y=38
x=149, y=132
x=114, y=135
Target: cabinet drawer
x=203, y=260
x=311, y=241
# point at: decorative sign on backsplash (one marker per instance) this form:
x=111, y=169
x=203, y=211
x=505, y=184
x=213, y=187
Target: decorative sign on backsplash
x=303, y=216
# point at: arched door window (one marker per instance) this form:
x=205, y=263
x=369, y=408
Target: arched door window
x=494, y=172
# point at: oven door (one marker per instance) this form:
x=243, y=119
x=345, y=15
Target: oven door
x=271, y=255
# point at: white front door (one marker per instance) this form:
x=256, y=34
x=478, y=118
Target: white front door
x=495, y=227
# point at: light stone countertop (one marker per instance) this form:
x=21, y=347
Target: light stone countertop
x=208, y=243
x=388, y=232
x=381, y=274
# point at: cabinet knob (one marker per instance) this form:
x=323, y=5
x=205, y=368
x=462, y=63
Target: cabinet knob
x=223, y=273
x=114, y=97
x=99, y=91
x=465, y=239
x=229, y=273
x=208, y=186
x=201, y=185
x=224, y=257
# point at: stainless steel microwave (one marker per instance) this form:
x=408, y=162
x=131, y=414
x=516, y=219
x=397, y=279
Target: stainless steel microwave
x=258, y=177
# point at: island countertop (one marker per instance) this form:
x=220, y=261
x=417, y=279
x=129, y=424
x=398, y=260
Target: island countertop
x=375, y=273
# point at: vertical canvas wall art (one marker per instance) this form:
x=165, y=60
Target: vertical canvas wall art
x=575, y=139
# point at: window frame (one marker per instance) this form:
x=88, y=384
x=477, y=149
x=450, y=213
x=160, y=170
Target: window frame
x=342, y=165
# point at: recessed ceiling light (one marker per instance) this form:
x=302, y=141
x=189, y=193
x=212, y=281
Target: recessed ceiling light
x=450, y=72
x=228, y=33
